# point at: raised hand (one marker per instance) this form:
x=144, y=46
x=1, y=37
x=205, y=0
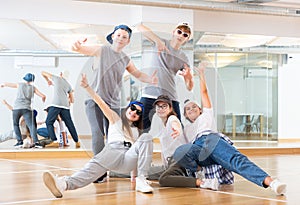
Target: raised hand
x=84, y=83
x=78, y=44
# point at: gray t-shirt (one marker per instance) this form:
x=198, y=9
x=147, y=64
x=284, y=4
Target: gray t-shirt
x=25, y=95
x=61, y=92
x=167, y=65
x=107, y=78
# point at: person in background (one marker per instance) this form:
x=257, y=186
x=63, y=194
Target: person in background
x=168, y=59
x=210, y=147
x=22, y=107
x=125, y=150
x=63, y=97
x=10, y=134
x=110, y=65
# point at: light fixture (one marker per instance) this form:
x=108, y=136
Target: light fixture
x=57, y=25
x=65, y=41
x=244, y=41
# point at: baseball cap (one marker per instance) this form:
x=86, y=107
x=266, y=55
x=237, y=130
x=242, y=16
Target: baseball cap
x=186, y=25
x=188, y=101
x=122, y=26
x=29, y=77
x=163, y=98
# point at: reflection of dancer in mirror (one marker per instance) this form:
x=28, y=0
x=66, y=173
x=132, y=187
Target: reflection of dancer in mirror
x=210, y=147
x=125, y=150
x=169, y=60
x=107, y=80
x=10, y=134
x=63, y=96
x=27, y=139
x=22, y=107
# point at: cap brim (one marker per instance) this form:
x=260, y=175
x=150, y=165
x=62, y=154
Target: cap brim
x=109, y=38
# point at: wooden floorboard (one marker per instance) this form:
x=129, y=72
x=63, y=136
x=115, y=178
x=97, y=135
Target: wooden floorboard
x=21, y=183
x=21, y=179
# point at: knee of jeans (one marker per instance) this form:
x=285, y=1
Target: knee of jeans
x=181, y=152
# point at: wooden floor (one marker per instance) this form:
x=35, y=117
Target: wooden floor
x=21, y=182
x=21, y=178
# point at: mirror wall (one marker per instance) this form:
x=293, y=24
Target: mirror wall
x=242, y=75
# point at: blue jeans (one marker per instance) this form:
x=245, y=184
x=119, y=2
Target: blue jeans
x=65, y=115
x=43, y=131
x=149, y=111
x=29, y=120
x=98, y=123
x=212, y=149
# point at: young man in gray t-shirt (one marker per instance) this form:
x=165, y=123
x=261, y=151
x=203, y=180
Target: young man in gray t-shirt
x=112, y=63
x=23, y=107
x=62, y=98
x=169, y=60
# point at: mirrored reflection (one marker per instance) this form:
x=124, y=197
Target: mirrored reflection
x=242, y=76
x=246, y=71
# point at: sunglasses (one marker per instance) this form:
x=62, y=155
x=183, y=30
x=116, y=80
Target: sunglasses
x=185, y=35
x=137, y=111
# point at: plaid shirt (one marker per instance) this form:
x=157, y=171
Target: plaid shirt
x=217, y=171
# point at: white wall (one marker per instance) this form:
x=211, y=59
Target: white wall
x=289, y=99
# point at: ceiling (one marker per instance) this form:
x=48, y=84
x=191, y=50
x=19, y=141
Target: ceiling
x=55, y=38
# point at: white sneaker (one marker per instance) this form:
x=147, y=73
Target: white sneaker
x=210, y=184
x=278, y=187
x=56, y=185
x=142, y=185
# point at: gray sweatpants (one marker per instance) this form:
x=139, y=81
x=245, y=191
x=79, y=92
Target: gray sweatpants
x=115, y=157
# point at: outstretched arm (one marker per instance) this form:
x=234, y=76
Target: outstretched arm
x=205, y=100
x=80, y=47
x=39, y=93
x=111, y=115
x=47, y=76
x=141, y=75
x=148, y=33
x=7, y=105
x=11, y=85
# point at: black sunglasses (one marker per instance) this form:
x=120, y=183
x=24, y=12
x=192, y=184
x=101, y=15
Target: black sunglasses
x=185, y=35
x=133, y=108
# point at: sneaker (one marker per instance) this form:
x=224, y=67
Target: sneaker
x=77, y=145
x=278, y=187
x=142, y=185
x=38, y=145
x=212, y=184
x=101, y=179
x=19, y=144
x=56, y=185
x=53, y=144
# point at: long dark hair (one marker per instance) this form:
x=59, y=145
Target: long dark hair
x=138, y=124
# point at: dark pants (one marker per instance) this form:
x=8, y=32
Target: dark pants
x=98, y=123
x=65, y=115
x=29, y=120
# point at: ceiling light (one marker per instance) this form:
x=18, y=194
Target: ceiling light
x=57, y=25
x=244, y=41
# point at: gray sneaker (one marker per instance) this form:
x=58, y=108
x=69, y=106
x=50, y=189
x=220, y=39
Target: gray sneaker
x=56, y=185
x=212, y=184
x=278, y=187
